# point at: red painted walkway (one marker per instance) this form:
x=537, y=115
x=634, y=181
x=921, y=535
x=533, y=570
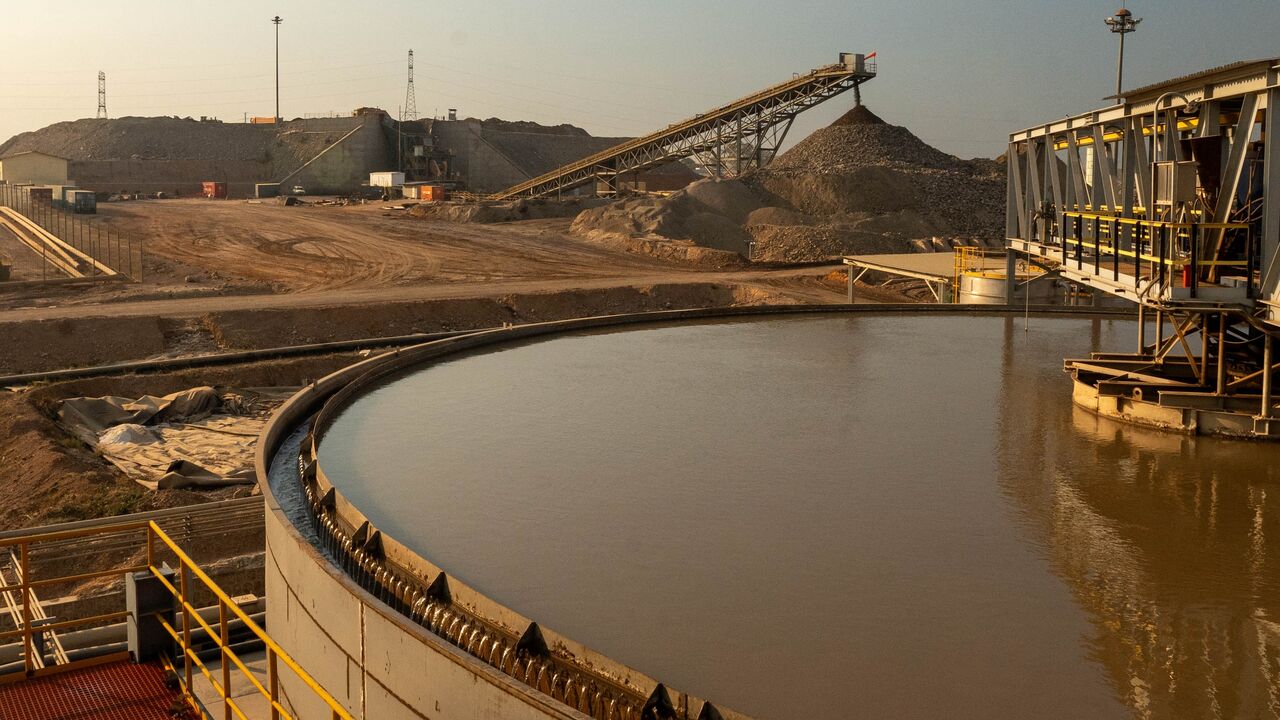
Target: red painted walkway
x=117, y=691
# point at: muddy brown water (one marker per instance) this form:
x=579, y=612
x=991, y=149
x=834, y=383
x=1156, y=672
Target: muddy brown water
x=841, y=516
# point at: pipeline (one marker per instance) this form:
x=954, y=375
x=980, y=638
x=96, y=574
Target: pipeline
x=231, y=358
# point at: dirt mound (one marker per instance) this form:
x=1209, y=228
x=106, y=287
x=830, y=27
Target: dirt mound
x=526, y=126
x=860, y=185
x=859, y=115
x=850, y=145
x=285, y=147
x=805, y=243
x=778, y=216
x=489, y=212
x=733, y=200
x=708, y=213
x=882, y=178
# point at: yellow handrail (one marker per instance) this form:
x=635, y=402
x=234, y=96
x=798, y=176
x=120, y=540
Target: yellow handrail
x=1173, y=261
x=275, y=654
x=188, y=572
x=1110, y=218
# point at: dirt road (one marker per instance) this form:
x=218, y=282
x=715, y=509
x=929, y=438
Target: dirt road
x=308, y=247
x=794, y=280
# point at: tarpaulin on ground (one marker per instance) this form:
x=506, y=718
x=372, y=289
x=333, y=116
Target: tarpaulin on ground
x=190, y=439
x=97, y=414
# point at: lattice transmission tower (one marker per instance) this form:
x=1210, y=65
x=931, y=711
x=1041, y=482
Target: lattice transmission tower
x=410, y=102
x=102, y=95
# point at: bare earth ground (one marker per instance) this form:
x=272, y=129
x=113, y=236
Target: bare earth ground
x=204, y=247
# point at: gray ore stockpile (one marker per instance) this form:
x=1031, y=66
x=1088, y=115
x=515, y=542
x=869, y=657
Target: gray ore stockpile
x=859, y=185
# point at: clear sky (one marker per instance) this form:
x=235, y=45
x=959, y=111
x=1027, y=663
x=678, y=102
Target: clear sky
x=961, y=74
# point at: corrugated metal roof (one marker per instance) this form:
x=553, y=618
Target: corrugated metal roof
x=34, y=152
x=1253, y=65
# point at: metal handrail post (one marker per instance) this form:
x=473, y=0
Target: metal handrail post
x=1164, y=258
x=224, y=643
x=186, y=621
x=1115, y=250
x=1195, y=259
x=273, y=684
x=1097, y=244
x=24, y=585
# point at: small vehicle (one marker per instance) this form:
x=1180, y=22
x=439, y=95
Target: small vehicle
x=299, y=190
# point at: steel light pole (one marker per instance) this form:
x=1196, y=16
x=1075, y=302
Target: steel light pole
x=277, y=20
x=1122, y=23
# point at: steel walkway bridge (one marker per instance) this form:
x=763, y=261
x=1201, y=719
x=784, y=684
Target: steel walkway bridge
x=1170, y=198
x=749, y=130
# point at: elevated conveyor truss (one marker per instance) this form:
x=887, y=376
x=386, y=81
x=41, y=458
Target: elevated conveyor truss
x=745, y=133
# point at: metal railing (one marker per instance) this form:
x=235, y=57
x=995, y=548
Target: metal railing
x=1158, y=254
x=975, y=261
x=102, y=250
x=470, y=197
x=151, y=552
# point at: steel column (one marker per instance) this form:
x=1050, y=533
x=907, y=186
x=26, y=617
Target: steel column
x=1270, y=260
x=1222, y=354
x=1267, y=362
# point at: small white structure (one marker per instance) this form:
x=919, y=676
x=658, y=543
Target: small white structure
x=386, y=179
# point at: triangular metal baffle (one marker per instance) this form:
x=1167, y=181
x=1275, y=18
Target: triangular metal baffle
x=659, y=705
x=532, y=642
x=329, y=500
x=709, y=712
x=361, y=535
x=373, y=545
x=439, y=590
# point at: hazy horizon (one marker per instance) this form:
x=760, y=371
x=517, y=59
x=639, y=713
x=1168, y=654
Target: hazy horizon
x=960, y=76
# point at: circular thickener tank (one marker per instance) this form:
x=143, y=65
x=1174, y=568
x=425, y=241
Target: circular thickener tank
x=837, y=515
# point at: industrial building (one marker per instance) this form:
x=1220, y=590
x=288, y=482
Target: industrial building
x=33, y=168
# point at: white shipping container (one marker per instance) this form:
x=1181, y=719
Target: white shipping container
x=386, y=179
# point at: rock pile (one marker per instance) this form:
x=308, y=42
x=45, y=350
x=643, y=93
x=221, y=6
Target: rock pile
x=859, y=185
x=860, y=138
x=509, y=211
x=170, y=138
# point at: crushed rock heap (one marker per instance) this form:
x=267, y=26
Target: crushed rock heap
x=857, y=186
x=172, y=138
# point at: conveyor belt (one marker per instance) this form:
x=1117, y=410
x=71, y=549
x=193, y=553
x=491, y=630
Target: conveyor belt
x=758, y=116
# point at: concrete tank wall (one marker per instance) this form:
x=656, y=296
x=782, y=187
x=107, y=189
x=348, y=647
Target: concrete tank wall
x=378, y=665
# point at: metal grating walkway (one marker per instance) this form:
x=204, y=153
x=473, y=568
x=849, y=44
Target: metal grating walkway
x=115, y=691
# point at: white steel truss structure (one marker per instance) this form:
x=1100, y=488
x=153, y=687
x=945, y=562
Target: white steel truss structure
x=730, y=139
x=1169, y=198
